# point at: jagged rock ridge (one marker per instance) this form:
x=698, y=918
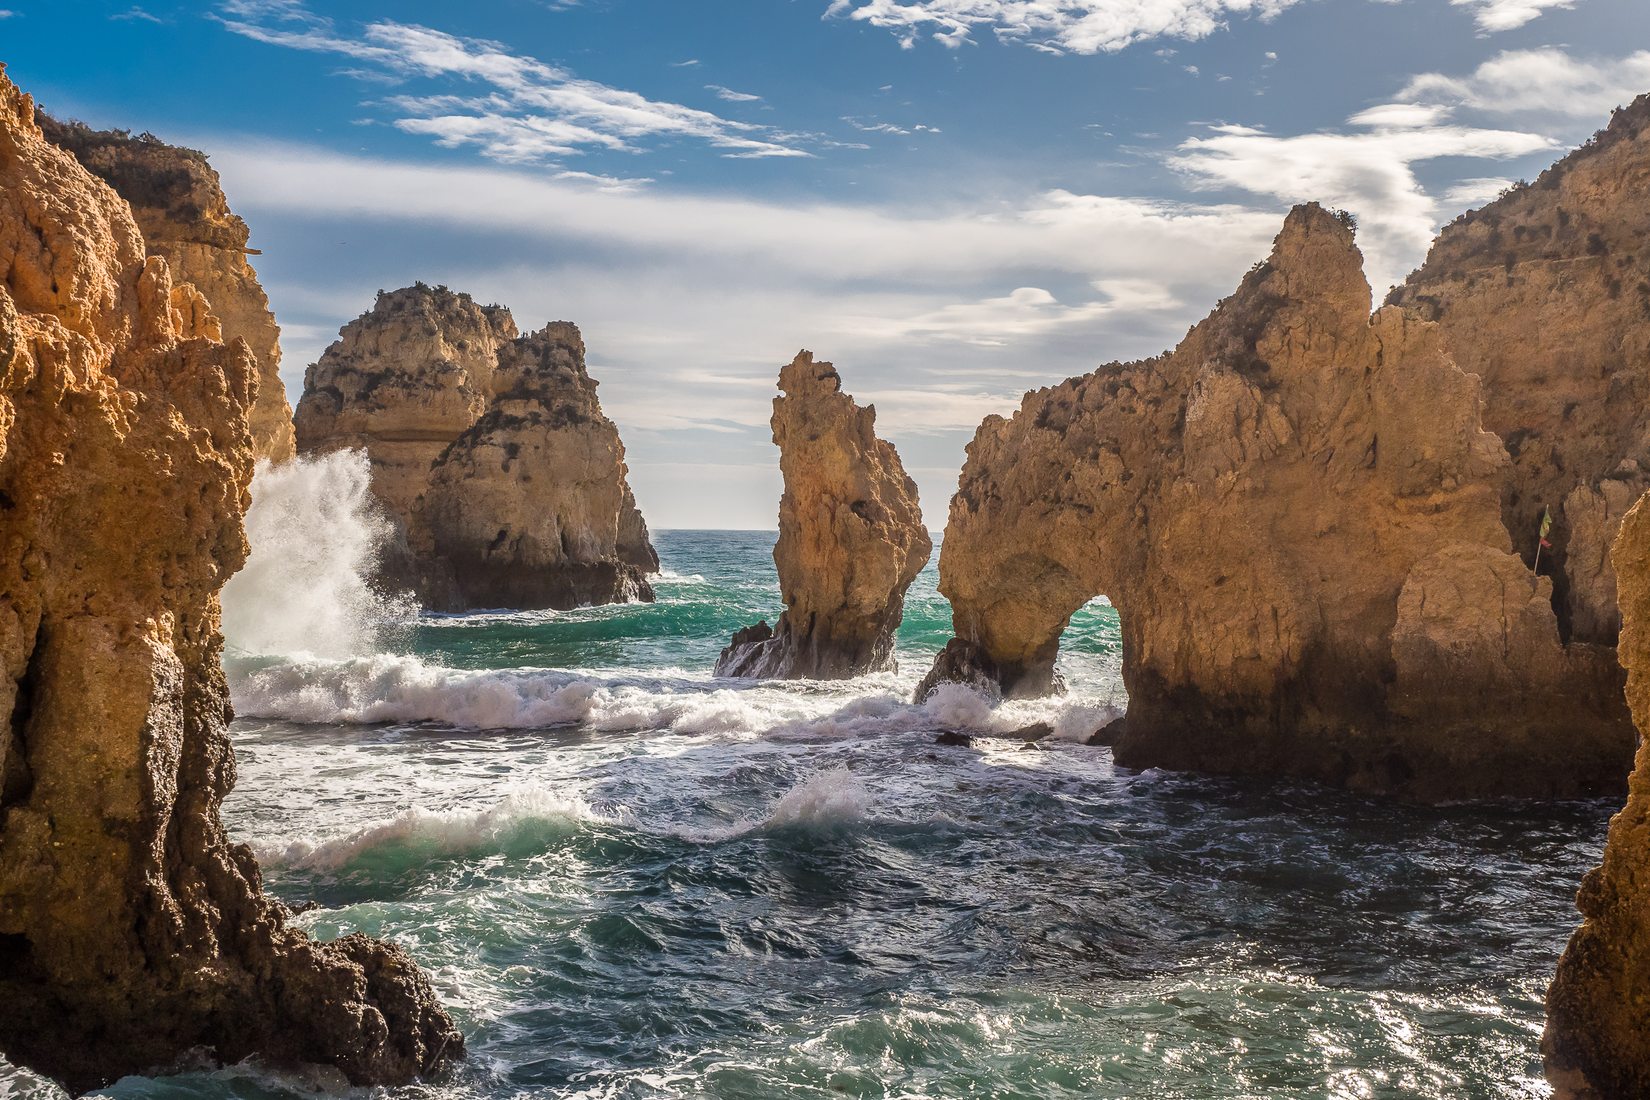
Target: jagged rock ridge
x=1297, y=515
x=184, y=217
x=1545, y=295
x=489, y=451
x=132, y=932
x=851, y=538
x=1597, y=1041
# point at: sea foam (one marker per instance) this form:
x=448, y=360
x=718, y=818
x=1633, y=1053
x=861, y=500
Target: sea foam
x=315, y=533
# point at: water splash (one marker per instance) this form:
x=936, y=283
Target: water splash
x=316, y=533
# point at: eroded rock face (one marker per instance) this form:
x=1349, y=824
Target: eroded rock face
x=131, y=930
x=183, y=215
x=1297, y=514
x=490, y=453
x=1545, y=295
x=529, y=506
x=851, y=538
x=1597, y=1041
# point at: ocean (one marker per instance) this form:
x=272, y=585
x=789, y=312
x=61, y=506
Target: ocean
x=631, y=879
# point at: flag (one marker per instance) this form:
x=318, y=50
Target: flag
x=1546, y=527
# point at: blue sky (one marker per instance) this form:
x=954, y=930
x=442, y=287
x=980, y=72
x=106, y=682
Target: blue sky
x=954, y=200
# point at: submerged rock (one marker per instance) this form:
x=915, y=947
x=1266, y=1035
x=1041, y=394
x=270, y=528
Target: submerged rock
x=132, y=932
x=489, y=451
x=1297, y=515
x=1597, y=1040
x=851, y=538
x=1545, y=295
x=181, y=210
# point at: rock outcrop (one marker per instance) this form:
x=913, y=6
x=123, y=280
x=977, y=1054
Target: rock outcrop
x=489, y=451
x=1545, y=295
x=132, y=932
x=181, y=210
x=851, y=538
x=1597, y=1042
x=1297, y=515
x=529, y=506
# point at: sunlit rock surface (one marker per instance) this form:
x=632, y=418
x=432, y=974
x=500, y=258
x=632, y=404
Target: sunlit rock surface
x=132, y=932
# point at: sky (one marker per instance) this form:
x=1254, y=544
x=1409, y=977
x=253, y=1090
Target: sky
x=954, y=201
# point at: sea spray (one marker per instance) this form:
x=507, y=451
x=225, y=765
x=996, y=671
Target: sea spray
x=315, y=533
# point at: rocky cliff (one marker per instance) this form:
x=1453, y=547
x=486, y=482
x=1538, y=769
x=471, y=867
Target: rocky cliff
x=1297, y=514
x=851, y=538
x=183, y=215
x=1545, y=295
x=1597, y=1042
x=490, y=452
x=132, y=932
x=529, y=506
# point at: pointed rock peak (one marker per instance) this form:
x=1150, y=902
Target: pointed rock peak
x=803, y=375
x=1316, y=257
x=16, y=106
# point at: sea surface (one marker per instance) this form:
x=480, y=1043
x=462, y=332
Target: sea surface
x=630, y=879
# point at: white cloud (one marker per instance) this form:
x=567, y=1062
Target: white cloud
x=1544, y=81
x=531, y=112
x=1468, y=193
x=136, y=14
x=1504, y=15
x=1076, y=26
x=1369, y=173
x=732, y=96
x=6, y=13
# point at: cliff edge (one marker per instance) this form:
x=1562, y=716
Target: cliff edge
x=132, y=931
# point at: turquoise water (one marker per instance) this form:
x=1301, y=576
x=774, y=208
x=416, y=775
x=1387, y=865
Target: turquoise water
x=629, y=879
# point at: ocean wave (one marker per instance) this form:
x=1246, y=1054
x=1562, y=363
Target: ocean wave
x=520, y=818
x=826, y=800
x=406, y=689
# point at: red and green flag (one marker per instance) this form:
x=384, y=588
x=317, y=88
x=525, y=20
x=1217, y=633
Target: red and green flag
x=1546, y=527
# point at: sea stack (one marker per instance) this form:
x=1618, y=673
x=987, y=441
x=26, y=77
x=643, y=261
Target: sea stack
x=1597, y=1041
x=1297, y=514
x=851, y=538
x=490, y=453
x=1545, y=295
x=181, y=210
x=133, y=934
x=529, y=506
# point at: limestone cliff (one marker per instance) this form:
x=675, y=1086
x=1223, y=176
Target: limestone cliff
x=1597, y=1042
x=851, y=538
x=506, y=482
x=1297, y=515
x=1545, y=295
x=183, y=215
x=132, y=931
x=529, y=506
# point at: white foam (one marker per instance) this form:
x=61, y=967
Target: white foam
x=825, y=800
x=315, y=533
x=442, y=832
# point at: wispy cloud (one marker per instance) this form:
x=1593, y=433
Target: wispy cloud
x=136, y=14
x=1368, y=169
x=511, y=107
x=1539, y=82
x=1059, y=26
x=1505, y=15
x=732, y=96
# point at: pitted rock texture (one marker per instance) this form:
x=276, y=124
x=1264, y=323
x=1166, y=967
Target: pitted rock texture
x=530, y=506
x=184, y=217
x=132, y=932
x=1545, y=295
x=506, y=483
x=1597, y=1041
x=1297, y=515
x=851, y=538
